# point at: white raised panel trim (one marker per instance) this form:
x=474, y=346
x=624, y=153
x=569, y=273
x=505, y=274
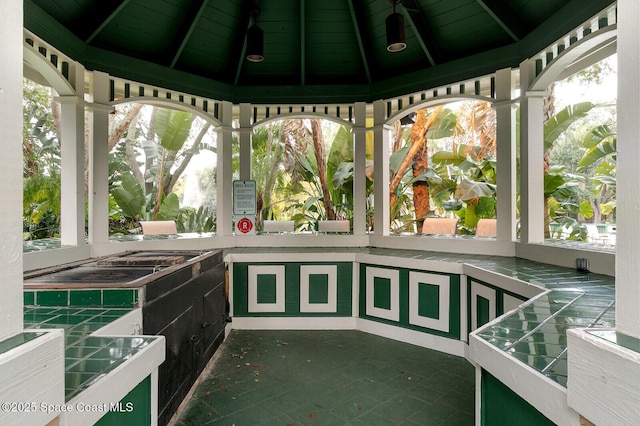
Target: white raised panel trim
x=253, y=272
x=510, y=303
x=331, y=271
x=443, y=282
x=481, y=290
x=392, y=314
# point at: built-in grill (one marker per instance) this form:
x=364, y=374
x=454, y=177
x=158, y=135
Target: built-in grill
x=182, y=298
x=87, y=275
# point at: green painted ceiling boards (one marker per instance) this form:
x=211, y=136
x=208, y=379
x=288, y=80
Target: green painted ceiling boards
x=315, y=50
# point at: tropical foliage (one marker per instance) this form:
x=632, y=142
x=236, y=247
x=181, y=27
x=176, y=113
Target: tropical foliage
x=442, y=163
x=300, y=174
x=147, y=164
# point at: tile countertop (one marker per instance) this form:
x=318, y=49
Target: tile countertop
x=535, y=332
x=87, y=357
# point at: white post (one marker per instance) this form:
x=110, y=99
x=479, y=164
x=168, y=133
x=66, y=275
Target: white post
x=360, y=169
x=381, y=169
x=99, y=159
x=72, y=162
x=244, y=136
x=224, y=175
x=628, y=169
x=505, y=156
x=11, y=302
x=531, y=158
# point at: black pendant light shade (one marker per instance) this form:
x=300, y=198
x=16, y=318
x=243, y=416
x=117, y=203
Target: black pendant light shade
x=255, y=40
x=396, y=40
x=255, y=44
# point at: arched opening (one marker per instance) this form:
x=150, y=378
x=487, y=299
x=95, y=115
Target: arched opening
x=580, y=156
x=303, y=168
x=443, y=165
x=162, y=166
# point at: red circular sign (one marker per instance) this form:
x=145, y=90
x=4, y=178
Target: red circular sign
x=245, y=225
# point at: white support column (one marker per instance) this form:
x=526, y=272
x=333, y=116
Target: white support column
x=628, y=164
x=72, y=163
x=360, y=169
x=224, y=225
x=244, y=136
x=99, y=159
x=505, y=156
x=11, y=302
x=381, y=169
x=531, y=158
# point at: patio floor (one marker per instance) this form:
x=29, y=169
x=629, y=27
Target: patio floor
x=329, y=378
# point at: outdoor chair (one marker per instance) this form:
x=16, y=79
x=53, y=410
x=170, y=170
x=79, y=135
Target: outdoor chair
x=486, y=228
x=275, y=226
x=440, y=226
x=333, y=226
x=158, y=227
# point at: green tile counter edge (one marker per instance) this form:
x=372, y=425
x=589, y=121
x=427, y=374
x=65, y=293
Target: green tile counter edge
x=94, y=356
x=17, y=340
x=82, y=297
x=620, y=339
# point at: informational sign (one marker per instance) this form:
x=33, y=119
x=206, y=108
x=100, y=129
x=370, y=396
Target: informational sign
x=244, y=206
x=244, y=197
x=245, y=225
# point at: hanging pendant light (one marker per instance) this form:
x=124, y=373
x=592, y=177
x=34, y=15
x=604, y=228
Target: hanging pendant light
x=255, y=39
x=396, y=40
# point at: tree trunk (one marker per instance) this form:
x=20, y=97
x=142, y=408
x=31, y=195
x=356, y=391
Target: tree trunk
x=420, y=164
x=318, y=148
x=130, y=152
x=151, y=135
x=418, y=143
x=124, y=125
x=173, y=179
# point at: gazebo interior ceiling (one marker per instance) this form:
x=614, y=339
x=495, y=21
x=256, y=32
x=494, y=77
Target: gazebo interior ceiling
x=315, y=51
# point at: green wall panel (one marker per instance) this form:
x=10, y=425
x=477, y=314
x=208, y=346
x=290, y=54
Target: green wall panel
x=267, y=288
x=134, y=408
x=427, y=310
x=482, y=312
x=428, y=305
x=318, y=289
x=502, y=406
x=382, y=293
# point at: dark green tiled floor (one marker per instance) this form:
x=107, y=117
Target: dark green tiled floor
x=330, y=378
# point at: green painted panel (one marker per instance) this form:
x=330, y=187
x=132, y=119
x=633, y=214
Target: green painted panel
x=85, y=297
x=133, y=409
x=501, y=406
x=266, y=288
x=29, y=298
x=428, y=300
x=318, y=288
x=240, y=300
x=382, y=293
x=52, y=298
x=119, y=298
x=483, y=314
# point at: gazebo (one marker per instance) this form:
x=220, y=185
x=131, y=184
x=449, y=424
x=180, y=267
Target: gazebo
x=241, y=64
